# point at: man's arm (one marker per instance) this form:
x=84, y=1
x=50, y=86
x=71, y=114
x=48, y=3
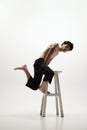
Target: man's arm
x=49, y=52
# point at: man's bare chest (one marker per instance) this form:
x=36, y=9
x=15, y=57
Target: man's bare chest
x=54, y=54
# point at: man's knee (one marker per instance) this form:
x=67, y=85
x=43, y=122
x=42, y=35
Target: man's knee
x=34, y=87
x=32, y=84
x=48, y=77
x=52, y=72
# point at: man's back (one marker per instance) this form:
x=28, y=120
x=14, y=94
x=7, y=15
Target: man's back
x=50, y=53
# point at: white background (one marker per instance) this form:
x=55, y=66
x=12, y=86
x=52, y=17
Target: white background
x=27, y=27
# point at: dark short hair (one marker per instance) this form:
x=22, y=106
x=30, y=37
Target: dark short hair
x=68, y=43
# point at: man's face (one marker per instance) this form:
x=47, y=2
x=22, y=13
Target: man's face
x=65, y=48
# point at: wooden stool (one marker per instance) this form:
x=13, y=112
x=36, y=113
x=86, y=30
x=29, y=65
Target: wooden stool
x=57, y=94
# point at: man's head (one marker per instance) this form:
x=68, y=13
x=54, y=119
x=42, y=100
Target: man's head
x=67, y=46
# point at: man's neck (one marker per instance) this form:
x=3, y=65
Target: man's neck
x=60, y=49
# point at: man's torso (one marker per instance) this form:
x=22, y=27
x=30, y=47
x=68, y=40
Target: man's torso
x=52, y=54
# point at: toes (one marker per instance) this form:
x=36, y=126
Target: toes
x=15, y=68
x=48, y=92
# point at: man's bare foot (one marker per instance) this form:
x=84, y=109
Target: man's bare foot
x=43, y=91
x=21, y=68
x=25, y=69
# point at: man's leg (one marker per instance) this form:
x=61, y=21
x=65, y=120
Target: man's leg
x=43, y=86
x=25, y=69
x=48, y=77
x=32, y=83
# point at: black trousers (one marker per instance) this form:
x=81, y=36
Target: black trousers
x=40, y=69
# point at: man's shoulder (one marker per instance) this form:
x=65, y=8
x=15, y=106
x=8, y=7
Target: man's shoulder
x=52, y=45
x=55, y=43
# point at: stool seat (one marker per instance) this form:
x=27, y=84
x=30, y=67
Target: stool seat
x=57, y=94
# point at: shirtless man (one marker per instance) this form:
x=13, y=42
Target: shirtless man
x=41, y=66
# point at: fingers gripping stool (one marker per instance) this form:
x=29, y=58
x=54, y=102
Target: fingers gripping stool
x=57, y=94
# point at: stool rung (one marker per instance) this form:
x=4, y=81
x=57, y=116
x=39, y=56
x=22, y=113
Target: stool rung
x=52, y=94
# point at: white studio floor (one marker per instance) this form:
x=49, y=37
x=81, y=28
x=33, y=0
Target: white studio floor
x=32, y=121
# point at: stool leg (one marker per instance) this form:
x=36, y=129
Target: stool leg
x=60, y=100
x=57, y=112
x=43, y=106
x=56, y=97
